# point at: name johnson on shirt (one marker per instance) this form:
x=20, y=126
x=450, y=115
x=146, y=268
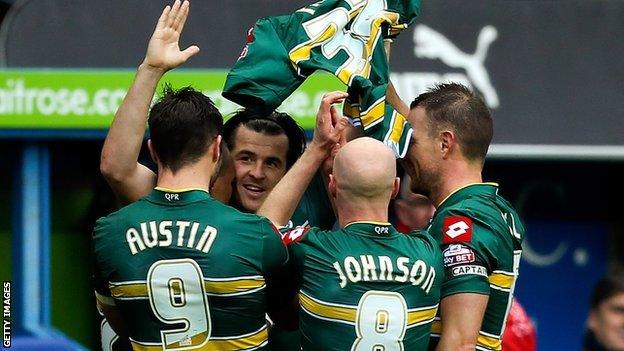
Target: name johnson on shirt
x=382, y=268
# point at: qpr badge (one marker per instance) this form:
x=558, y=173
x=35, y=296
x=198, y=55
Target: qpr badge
x=456, y=229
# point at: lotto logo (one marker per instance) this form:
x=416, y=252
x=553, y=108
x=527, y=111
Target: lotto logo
x=457, y=229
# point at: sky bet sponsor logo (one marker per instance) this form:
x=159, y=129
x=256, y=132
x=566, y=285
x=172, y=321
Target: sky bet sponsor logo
x=458, y=254
x=6, y=314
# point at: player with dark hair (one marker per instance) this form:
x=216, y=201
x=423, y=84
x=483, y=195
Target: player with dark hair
x=262, y=148
x=176, y=139
x=479, y=232
x=605, y=322
x=165, y=275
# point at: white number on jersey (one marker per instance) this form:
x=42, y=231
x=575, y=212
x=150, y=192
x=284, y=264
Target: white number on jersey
x=381, y=322
x=177, y=295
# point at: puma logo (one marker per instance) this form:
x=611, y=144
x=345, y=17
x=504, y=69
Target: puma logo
x=430, y=44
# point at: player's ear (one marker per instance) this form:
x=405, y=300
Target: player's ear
x=396, y=186
x=331, y=186
x=216, y=148
x=447, y=142
x=150, y=147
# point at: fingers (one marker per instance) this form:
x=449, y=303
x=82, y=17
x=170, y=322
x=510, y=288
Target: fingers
x=162, y=21
x=332, y=98
x=173, y=14
x=181, y=17
x=325, y=109
x=190, y=51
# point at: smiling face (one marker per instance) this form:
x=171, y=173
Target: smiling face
x=260, y=163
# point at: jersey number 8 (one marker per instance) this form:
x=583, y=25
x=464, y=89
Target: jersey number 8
x=177, y=296
x=380, y=322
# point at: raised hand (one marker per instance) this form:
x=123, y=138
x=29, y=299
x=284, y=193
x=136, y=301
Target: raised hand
x=163, y=50
x=330, y=124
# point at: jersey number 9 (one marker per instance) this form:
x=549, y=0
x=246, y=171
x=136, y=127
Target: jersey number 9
x=177, y=296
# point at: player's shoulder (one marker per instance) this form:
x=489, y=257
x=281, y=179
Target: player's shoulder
x=119, y=216
x=424, y=243
x=422, y=238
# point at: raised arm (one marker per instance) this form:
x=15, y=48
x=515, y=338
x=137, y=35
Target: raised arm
x=129, y=179
x=391, y=95
x=283, y=199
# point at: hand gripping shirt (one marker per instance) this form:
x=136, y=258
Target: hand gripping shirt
x=188, y=272
x=480, y=235
x=365, y=287
x=343, y=37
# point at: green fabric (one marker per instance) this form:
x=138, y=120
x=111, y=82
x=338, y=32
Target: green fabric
x=330, y=268
x=497, y=234
x=315, y=208
x=344, y=38
x=238, y=255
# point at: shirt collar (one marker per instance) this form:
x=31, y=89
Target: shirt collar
x=177, y=196
x=375, y=229
x=467, y=190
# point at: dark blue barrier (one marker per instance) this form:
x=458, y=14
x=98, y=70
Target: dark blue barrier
x=561, y=262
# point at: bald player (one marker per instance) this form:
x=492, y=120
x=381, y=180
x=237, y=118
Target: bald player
x=365, y=286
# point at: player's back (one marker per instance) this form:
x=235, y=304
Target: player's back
x=187, y=271
x=366, y=286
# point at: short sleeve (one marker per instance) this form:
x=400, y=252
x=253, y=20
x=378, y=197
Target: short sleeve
x=274, y=253
x=100, y=282
x=466, y=252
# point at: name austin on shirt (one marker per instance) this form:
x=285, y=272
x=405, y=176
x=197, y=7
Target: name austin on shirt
x=166, y=233
x=382, y=268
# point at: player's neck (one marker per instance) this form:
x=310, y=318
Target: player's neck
x=196, y=176
x=354, y=212
x=455, y=179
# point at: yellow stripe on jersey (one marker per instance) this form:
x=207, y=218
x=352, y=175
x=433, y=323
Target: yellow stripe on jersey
x=325, y=310
x=502, y=279
x=345, y=313
x=374, y=114
x=398, y=125
x=489, y=342
x=133, y=290
x=421, y=316
x=483, y=341
x=303, y=52
x=244, y=342
x=240, y=285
